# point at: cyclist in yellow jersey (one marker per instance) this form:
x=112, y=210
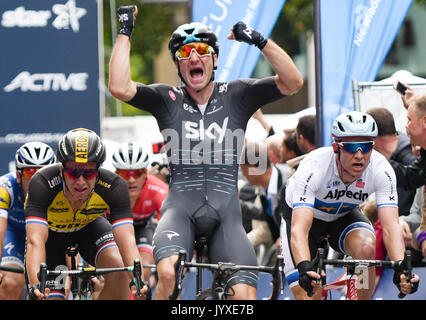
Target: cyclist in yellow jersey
x=66, y=205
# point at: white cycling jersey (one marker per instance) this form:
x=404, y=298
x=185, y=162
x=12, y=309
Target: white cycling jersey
x=316, y=184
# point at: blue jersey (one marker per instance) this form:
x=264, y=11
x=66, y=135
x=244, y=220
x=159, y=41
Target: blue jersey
x=12, y=201
x=12, y=209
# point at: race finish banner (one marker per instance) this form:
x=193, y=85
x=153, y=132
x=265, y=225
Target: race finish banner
x=356, y=36
x=236, y=59
x=50, y=71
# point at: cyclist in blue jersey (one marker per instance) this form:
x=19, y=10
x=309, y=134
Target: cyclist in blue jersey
x=203, y=124
x=13, y=188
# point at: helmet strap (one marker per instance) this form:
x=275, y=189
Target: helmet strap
x=343, y=170
x=19, y=172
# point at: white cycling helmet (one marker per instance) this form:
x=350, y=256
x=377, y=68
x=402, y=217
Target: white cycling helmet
x=354, y=124
x=130, y=156
x=34, y=154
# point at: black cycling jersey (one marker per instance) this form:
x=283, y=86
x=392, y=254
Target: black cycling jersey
x=204, y=150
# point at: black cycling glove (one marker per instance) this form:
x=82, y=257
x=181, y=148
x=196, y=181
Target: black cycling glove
x=126, y=20
x=304, y=279
x=397, y=277
x=245, y=33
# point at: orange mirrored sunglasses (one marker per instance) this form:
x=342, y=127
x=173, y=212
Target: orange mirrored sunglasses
x=126, y=174
x=202, y=49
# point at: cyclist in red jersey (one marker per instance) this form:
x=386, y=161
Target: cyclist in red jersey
x=147, y=194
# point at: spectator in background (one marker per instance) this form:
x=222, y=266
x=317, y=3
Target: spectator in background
x=414, y=175
x=269, y=182
x=258, y=115
x=289, y=148
x=305, y=133
x=394, y=146
x=273, y=140
x=410, y=224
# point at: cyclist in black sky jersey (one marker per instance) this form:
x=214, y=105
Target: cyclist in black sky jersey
x=203, y=124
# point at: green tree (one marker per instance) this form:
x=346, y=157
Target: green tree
x=152, y=26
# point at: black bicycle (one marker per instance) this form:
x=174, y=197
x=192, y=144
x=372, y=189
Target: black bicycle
x=81, y=277
x=221, y=271
x=354, y=267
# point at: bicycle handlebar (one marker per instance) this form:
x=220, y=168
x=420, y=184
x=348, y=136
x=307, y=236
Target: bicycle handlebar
x=320, y=262
x=228, y=268
x=136, y=269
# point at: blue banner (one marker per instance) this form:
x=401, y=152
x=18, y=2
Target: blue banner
x=236, y=59
x=50, y=74
x=356, y=36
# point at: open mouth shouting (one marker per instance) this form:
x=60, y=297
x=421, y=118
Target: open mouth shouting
x=196, y=75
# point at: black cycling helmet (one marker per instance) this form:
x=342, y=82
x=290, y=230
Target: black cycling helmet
x=192, y=32
x=82, y=146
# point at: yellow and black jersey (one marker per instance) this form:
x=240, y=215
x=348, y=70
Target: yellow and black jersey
x=46, y=202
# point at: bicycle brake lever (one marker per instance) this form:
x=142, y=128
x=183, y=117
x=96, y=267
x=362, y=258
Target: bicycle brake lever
x=321, y=256
x=408, y=270
x=179, y=268
x=42, y=278
x=137, y=274
x=280, y=271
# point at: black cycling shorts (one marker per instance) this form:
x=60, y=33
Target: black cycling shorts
x=226, y=238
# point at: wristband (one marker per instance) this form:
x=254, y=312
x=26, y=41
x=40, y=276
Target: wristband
x=421, y=237
x=126, y=20
x=245, y=33
x=304, y=279
x=304, y=266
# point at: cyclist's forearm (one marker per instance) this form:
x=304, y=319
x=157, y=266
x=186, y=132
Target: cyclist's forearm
x=125, y=239
x=35, y=255
x=301, y=224
x=289, y=78
x=392, y=236
x=120, y=84
x=3, y=228
x=300, y=249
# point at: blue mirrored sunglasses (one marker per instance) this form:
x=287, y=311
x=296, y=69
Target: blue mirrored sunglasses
x=353, y=147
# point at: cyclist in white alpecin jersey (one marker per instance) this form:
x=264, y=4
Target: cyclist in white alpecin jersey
x=323, y=198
